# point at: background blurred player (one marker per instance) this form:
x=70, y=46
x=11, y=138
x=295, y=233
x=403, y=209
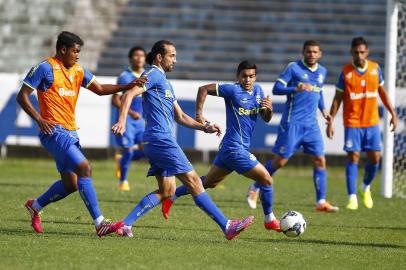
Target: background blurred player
x=57, y=81
x=244, y=100
x=130, y=142
x=358, y=87
x=302, y=82
x=163, y=152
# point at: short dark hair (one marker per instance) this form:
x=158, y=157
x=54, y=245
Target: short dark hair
x=158, y=48
x=246, y=64
x=67, y=39
x=135, y=49
x=358, y=41
x=311, y=42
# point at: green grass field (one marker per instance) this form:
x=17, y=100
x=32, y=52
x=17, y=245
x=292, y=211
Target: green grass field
x=364, y=239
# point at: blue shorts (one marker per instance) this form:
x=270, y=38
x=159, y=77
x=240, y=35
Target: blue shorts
x=362, y=139
x=166, y=158
x=239, y=160
x=64, y=147
x=134, y=131
x=293, y=136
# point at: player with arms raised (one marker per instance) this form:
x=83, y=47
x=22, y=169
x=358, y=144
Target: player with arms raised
x=357, y=88
x=166, y=157
x=302, y=82
x=57, y=81
x=130, y=142
x=244, y=100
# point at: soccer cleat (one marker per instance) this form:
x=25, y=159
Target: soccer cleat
x=124, y=186
x=352, y=204
x=252, y=198
x=237, y=226
x=117, y=157
x=107, y=227
x=327, y=207
x=367, y=199
x=35, y=216
x=125, y=231
x=273, y=225
x=166, y=206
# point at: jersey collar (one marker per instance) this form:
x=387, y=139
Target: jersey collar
x=160, y=69
x=134, y=73
x=310, y=68
x=361, y=70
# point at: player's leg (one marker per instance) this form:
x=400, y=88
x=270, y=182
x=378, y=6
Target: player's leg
x=264, y=180
x=125, y=162
x=231, y=228
x=57, y=191
x=166, y=188
x=211, y=180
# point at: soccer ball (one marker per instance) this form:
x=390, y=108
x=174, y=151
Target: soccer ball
x=293, y=224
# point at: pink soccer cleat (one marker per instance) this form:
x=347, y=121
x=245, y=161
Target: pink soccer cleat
x=107, y=227
x=237, y=226
x=273, y=225
x=35, y=216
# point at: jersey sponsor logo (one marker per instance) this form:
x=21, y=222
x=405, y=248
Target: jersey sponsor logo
x=374, y=72
x=168, y=93
x=363, y=83
x=242, y=111
x=66, y=93
x=355, y=96
x=244, y=100
x=349, y=75
x=258, y=98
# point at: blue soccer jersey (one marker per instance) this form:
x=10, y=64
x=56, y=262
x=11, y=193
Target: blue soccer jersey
x=301, y=107
x=126, y=77
x=242, y=109
x=158, y=105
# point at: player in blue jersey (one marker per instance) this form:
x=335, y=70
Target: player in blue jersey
x=130, y=142
x=244, y=101
x=58, y=81
x=165, y=156
x=302, y=82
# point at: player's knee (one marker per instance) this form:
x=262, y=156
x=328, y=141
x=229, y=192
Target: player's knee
x=193, y=183
x=84, y=169
x=167, y=193
x=354, y=157
x=266, y=180
x=319, y=162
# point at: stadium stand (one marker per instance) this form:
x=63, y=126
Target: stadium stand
x=212, y=36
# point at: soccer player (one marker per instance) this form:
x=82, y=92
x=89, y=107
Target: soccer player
x=358, y=87
x=302, y=82
x=244, y=101
x=130, y=142
x=166, y=157
x=57, y=81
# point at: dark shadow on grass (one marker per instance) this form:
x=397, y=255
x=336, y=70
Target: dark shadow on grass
x=326, y=242
x=364, y=227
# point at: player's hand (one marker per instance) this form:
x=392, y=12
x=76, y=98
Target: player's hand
x=330, y=131
x=214, y=128
x=328, y=117
x=266, y=103
x=134, y=115
x=394, y=122
x=45, y=126
x=201, y=119
x=139, y=82
x=304, y=87
x=118, y=128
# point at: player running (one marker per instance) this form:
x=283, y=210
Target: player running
x=57, y=81
x=164, y=154
x=302, y=82
x=358, y=87
x=244, y=100
x=130, y=142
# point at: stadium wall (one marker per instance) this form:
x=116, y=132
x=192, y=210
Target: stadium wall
x=95, y=115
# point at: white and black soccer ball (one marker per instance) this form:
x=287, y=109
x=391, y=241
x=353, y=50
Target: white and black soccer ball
x=293, y=224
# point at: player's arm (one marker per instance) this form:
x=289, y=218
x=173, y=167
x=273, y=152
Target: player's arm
x=338, y=98
x=322, y=108
x=116, y=101
x=108, y=89
x=126, y=99
x=187, y=121
x=383, y=94
x=208, y=89
x=25, y=103
x=266, y=109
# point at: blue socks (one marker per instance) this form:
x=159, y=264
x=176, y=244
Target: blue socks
x=88, y=194
x=270, y=168
x=125, y=162
x=182, y=190
x=55, y=193
x=351, y=172
x=146, y=204
x=320, y=183
x=205, y=203
x=266, y=195
x=370, y=172
x=138, y=154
